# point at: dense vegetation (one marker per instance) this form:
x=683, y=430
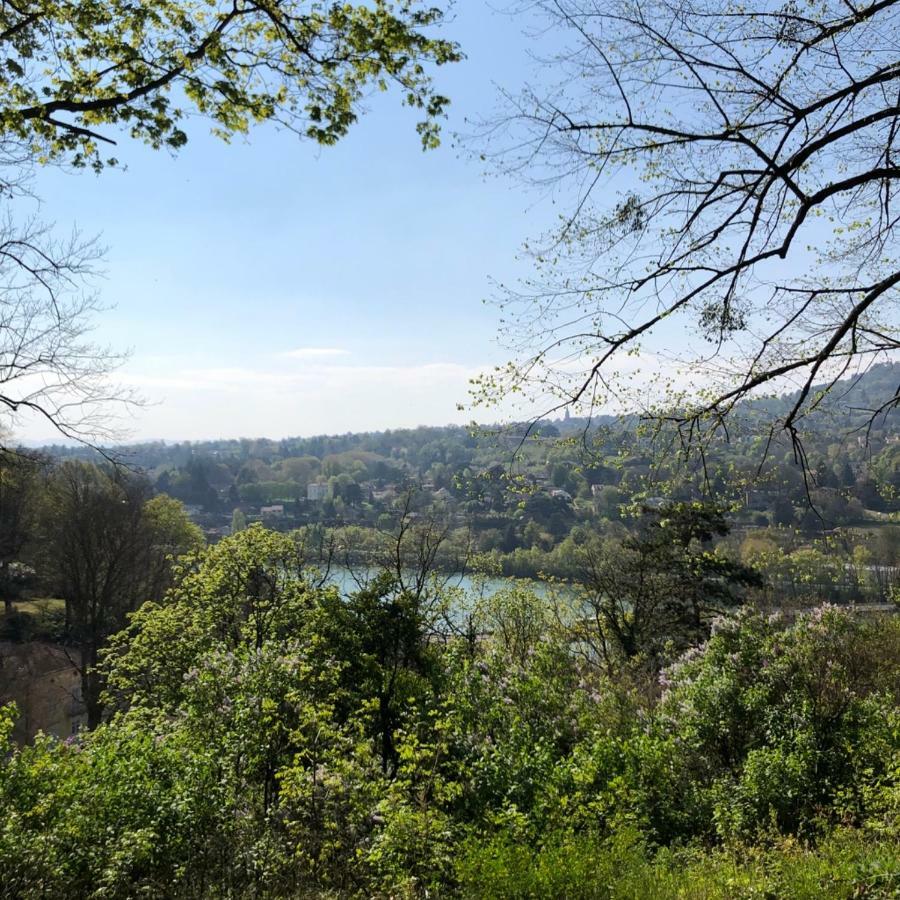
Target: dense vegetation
x=819, y=527
x=266, y=737
x=673, y=711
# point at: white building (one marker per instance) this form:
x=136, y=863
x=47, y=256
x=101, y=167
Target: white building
x=317, y=492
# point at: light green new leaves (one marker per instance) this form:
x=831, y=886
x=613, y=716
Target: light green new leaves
x=74, y=74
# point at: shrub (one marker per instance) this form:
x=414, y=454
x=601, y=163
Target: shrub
x=787, y=724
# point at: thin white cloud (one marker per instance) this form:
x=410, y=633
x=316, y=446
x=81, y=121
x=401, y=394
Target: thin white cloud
x=330, y=394
x=315, y=353
x=278, y=399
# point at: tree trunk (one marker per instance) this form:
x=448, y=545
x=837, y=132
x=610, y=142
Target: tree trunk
x=5, y=588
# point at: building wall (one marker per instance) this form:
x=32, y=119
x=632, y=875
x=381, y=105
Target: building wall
x=44, y=683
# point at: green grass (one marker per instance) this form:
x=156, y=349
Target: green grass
x=37, y=619
x=39, y=606
x=848, y=864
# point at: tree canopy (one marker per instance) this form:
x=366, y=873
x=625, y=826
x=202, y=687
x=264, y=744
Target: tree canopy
x=72, y=70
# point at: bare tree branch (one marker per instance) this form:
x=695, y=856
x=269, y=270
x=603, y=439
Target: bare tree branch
x=732, y=172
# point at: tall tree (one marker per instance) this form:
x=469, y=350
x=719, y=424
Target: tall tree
x=663, y=582
x=107, y=546
x=19, y=489
x=734, y=169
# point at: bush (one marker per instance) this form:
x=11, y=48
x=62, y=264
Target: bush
x=272, y=739
x=787, y=725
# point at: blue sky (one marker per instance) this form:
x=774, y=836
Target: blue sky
x=272, y=288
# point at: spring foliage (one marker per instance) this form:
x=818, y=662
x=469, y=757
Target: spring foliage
x=270, y=738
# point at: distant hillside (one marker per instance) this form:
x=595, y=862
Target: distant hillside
x=849, y=404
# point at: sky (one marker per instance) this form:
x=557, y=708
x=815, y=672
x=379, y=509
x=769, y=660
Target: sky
x=272, y=288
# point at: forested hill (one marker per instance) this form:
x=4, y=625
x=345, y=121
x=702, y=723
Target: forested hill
x=853, y=402
x=853, y=474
